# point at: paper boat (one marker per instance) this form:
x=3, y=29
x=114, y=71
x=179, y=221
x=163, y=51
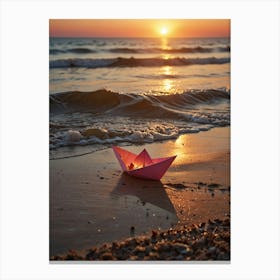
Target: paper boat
x=142, y=165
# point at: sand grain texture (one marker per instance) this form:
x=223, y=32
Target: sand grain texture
x=92, y=202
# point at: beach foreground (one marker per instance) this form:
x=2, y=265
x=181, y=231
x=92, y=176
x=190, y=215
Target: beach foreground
x=205, y=241
x=92, y=202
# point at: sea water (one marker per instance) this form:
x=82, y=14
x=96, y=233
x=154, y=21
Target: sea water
x=106, y=91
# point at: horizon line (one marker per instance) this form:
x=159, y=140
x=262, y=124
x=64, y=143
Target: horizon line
x=130, y=37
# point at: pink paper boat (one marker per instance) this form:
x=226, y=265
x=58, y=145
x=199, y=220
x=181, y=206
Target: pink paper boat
x=142, y=165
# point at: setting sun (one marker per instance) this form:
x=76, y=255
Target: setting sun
x=163, y=31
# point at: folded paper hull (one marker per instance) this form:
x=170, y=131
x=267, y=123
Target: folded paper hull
x=142, y=165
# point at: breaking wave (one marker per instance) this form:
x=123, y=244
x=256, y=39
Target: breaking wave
x=104, y=117
x=134, y=62
x=133, y=105
x=197, y=49
x=170, y=50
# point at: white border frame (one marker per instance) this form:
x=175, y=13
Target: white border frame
x=255, y=137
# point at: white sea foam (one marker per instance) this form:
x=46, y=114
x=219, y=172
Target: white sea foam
x=120, y=133
x=73, y=136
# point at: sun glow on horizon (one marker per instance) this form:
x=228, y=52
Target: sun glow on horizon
x=163, y=31
x=126, y=28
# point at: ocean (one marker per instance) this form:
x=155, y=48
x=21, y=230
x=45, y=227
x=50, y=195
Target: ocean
x=124, y=91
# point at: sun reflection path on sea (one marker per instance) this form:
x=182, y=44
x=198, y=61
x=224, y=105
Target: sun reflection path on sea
x=167, y=84
x=167, y=70
x=164, y=43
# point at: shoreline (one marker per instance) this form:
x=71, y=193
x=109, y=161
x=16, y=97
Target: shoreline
x=66, y=152
x=92, y=203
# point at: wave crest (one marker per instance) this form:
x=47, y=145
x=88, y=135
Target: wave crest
x=152, y=106
x=104, y=117
x=197, y=49
x=135, y=62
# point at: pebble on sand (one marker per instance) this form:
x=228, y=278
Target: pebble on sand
x=205, y=241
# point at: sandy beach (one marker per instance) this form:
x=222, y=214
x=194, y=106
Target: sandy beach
x=92, y=202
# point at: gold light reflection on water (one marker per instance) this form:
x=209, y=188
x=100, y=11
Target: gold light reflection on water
x=164, y=44
x=179, y=142
x=182, y=149
x=167, y=70
x=164, y=47
x=167, y=85
x=166, y=56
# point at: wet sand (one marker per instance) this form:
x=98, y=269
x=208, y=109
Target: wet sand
x=92, y=202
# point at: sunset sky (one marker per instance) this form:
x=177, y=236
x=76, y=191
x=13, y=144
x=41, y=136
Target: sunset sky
x=139, y=28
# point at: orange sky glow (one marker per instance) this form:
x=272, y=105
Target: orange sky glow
x=139, y=28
